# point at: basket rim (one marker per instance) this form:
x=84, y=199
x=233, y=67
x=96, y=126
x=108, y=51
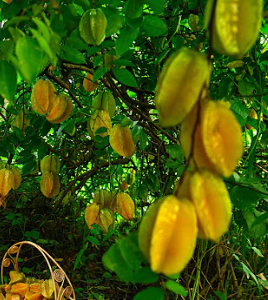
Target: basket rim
x=58, y=275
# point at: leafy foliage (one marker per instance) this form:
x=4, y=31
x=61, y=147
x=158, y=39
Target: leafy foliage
x=41, y=40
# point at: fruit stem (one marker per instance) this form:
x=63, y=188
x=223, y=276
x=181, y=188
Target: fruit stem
x=210, y=26
x=193, y=133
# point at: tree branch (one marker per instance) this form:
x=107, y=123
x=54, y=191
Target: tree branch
x=85, y=176
x=64, y=85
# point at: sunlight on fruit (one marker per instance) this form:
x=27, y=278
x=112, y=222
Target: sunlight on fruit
x=167, y=234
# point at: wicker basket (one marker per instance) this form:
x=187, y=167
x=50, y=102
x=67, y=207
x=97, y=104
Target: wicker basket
x=11, y=258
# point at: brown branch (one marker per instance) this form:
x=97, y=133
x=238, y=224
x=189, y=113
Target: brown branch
x=260, y=167
x=64, y=85
x=77, y=67
x=56, y=152
x=246, y=187
x=85, y=176
x=128, y=101
x=136, y=102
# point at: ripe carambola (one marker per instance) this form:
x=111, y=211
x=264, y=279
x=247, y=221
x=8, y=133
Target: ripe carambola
x=92, y=26
x=17, y=177
x=167, y=234
x=50, y=184
x=21, y=121
x=105, y=101
x=92, y=213
x=88, y=84
x=121, y=140
x=106, y=219
x=18, y=121
x=58, y=109
x=103, y=198
x=20, y=289
x=6, y=182
x=236, y=25
x=66, y=113
x=125, y=206
x=15, y=277
x=43, y=96
x=99, y=119
x=50, y=163
x=124, y=185
x=218, y=142
x=47, y=289
x=180, y=85
x=210, y=197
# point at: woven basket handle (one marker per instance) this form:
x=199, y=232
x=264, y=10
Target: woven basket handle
x=58, y=275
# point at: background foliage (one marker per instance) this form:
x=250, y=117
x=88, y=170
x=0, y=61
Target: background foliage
x=40, y=39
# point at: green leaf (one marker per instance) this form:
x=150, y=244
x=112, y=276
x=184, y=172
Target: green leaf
x=225, y=86
x=244, y=198
x=7, y=48
x=176, y=288
x=145, y=275
x=154, y=26
x=78, y=258
x=193, y=4
x=42, y=241
x=84, y=3
x=130, y=251
x=73, y=55
x=97, y=60
x=32, y=234
x=42, y=43
x=125, y=39
x=133, y=8
x=261, y=219
x=143, y=140
x=3, y=152
x=222, y=296
x=76, y=42
x=30, y=58
x=177, y=41
x=101, y=130
x=123, y=62
x=258, y=230
x=257, y=251
x=249, y=274
x=26, y=158
x=155, y=293
x=134, y=23
x=42, y=148
x=93, y=240
x=240, y=109
x=114, y=261
x=245, y=87
x=99, y=73
x=26, y=270
x=175, y=151
x=18, y=133
x=8, y=146
x=16, y=20
x=42, y=28
x=8, y=80
x=157, y=6
x=29, y=167
x=115, y=20
x=125, y=77
x=15, y=33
